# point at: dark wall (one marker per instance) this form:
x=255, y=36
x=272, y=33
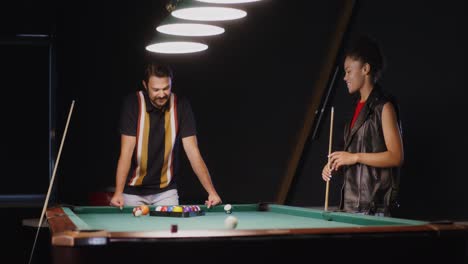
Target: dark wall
x=250, y=90
x=425, y=47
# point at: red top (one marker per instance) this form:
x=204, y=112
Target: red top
x=356, y=112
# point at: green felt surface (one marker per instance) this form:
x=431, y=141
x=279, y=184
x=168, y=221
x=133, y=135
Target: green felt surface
x=249, y=217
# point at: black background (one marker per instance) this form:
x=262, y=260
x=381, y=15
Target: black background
x=249, y=92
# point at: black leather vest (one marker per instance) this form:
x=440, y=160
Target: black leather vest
x=369, y=189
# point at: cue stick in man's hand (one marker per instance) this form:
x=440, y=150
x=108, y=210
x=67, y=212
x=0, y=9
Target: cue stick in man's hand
x=329, y=152
x=51, y=183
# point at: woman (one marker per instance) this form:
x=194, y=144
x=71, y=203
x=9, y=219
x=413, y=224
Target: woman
x=373, y=151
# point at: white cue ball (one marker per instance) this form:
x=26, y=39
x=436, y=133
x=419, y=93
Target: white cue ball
x=227, y=208
x=230, y=222
x=137, y=211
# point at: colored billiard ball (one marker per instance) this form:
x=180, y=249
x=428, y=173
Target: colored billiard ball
x=228, y=209
x=177, y=209
x=230, y=222
x=144, y=209
x=158, y=208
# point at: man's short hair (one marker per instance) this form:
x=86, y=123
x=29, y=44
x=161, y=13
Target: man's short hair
x=158, y=70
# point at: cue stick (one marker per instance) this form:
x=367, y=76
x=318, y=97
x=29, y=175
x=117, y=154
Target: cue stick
x=329, y=152
x=51, y=181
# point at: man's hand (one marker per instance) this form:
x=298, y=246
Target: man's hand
x=117, y=200
x=213, y=199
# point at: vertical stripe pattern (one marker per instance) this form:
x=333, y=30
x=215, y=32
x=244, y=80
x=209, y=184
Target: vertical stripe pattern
x=142, y=140
x=170, y=126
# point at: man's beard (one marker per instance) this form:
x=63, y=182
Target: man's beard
x=160, y=102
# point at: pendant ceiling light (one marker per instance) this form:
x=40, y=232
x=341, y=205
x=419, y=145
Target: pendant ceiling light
x=177, y=47
x=195, y=10
x=179, y=27
x=227, y=1
x=209, y=13
x=190, y=29
x=172, y=44
x=183, y=30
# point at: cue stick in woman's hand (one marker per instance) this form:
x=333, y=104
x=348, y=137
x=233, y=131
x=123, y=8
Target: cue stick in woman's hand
x=329, y=152
x=51, y=183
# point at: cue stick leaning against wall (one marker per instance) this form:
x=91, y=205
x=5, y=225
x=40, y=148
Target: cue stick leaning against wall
x=51, y=183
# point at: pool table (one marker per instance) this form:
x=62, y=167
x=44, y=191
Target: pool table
x=96, y=234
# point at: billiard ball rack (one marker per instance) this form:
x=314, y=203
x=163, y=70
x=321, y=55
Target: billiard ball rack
x=177, y=214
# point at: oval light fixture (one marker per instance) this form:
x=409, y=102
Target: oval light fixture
x=190, y=29
x=227, y=1
x=177, y=47
x=209, y=13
